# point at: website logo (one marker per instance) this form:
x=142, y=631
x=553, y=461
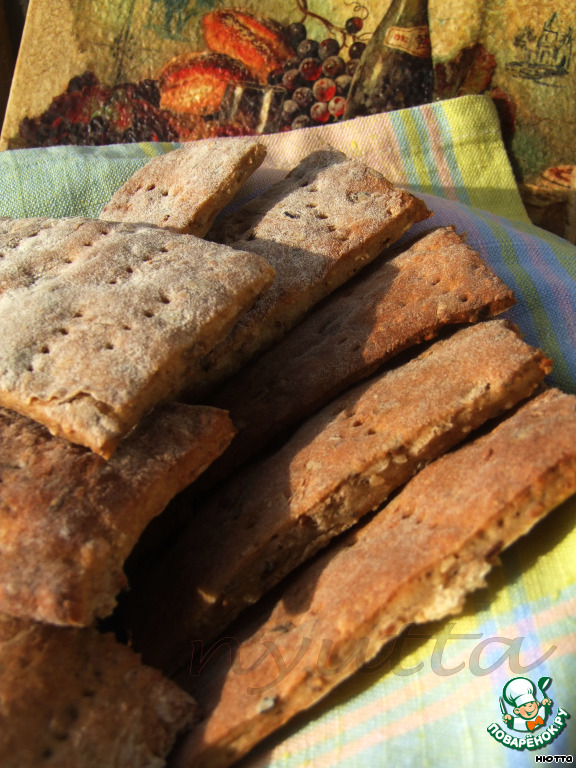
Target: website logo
x=526, y=713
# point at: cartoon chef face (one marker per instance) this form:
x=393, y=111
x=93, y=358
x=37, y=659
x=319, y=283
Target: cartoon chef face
x=521, y=694
x=528, y=710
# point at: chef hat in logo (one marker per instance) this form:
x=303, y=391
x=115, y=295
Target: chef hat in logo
x=519, y=691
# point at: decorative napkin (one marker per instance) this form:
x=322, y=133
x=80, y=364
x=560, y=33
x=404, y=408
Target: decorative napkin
x=434, y=693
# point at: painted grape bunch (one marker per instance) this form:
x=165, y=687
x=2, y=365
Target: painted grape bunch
x=184, y=102
x=318, y=76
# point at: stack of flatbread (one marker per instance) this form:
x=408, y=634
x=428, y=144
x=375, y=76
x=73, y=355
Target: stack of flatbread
x=101, y=321
x=223, y=402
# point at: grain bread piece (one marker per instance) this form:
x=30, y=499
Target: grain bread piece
x=317, y=227
x=339, y=465
x=76, y=698
x=394, y=304
x=413, y=562
x=99, y=320
x=185, y=189
x=69, y=518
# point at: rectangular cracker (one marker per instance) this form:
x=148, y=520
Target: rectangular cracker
x=317, y=227
x=392, y=305
x=186, y=188
x=77, y=698
x=414, y=562
x=99, y=320
x=69, y=519
x=339, y=465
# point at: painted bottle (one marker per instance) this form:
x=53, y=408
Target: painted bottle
x=396, y=69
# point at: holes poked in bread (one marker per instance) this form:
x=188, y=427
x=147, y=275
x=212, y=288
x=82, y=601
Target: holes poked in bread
x=358, y=197
x=148, y=313
x=291, y=215
x=61, y=722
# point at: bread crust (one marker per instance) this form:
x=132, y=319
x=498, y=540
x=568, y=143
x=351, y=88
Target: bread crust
x=185, y=189
x=341, y=464
x=414, y=562
x=393, y=304
x=77, y=698
x=69, y=519
x=99, y=321
x=325, y=221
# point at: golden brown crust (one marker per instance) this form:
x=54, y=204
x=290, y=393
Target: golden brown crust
x=414, y=562
x=100, y=320
x=317, y=227
x=392, y=305
x=339, y=465
x=77, y=698
x=186, y=188
x=69, y=519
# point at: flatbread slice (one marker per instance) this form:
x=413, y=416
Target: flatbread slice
x=341, y=464
x=69, y=519
x=317, y=227
x=185, y=189
x=392, y=305
x=99, y=321
x=414, y=562
x=77, y=698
